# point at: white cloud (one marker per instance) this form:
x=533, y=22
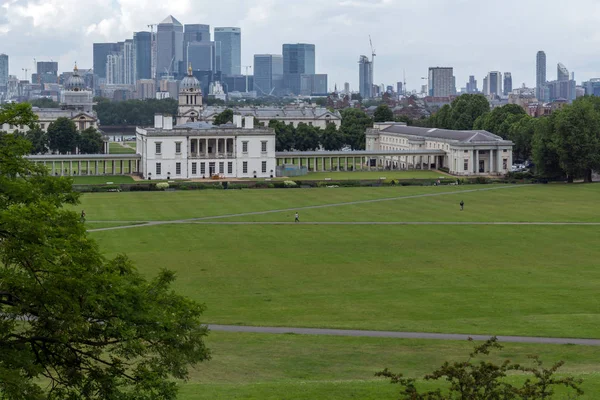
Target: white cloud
x=473, y=36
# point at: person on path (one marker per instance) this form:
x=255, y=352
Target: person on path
x=82, y=216
x=297, y=218
x=462, y=205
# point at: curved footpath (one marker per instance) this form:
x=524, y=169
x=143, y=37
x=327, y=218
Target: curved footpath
x=399, y=335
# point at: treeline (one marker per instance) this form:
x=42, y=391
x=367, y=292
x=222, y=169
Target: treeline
x=133, y=112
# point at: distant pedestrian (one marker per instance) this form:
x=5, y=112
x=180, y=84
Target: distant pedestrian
x=462, y=205
x=82, y=216
x=297, y=218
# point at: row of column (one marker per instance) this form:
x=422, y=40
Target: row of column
x=320, y=163
x=221, y=147
x=92, y=167
x=495, y=162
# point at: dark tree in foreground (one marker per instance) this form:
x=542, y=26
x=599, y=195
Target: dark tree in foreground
x=63, y=136
x=482, y=380
x=74, y=325
x=90, y=141
x=224, y=117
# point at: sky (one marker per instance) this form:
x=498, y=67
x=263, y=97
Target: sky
x=472, y=36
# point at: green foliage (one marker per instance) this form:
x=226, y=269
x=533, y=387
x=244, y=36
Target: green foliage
x=133, y=112
x=462, y=113
x=354, y=126
x=284, y=135
x=500, y=119
x=90, y=142
x=484, y=380
x=17, y=114
x=331, y=138
x=224, y=117
x=307, y=137
x=62, y=135
x=74, y=325
x=44, y=103
x=383, y=114
x=521, y=133
x=38, y=139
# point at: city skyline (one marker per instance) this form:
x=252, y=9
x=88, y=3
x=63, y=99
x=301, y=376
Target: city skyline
x=339, y=31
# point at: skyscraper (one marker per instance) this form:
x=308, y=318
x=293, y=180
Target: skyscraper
x=129, y=63
x=298, y=59
x=346, y=87
x=441, y=82
x=101, y=52
x=399, y=88
x=46, y=72
x=142, y=42
x=562, y=73
x=169, y=47
x=508, y=87
x=268, y=73
x=201, y=56
x=193, y=33
x=365, y=77
x=114, y=69
x=472, y=85
x=540, y=78
x=230, y=40
x=494, y=82
x=3, y=72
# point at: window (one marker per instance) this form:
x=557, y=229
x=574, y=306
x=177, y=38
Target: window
x=177, y=147
x=230, y=167
x=178, y=168
x=158, y=147
x=202, y=168
x=263, y=146
x=466, y=164
x=505, y=151
x=466, y=151
x=505, y=164
x=244, y=147
x=212, y=168
x=264, y=167
x=245, y=167
x=221, y=167
x=194, y=168
x=158, y=169
x=43, y=126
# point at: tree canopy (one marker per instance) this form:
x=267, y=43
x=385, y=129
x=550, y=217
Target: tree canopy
x=90, y=141
x=354, y=126
x=133, y=112
x=383, y=114
x=62, y=136
x=74, y=325
x=224, y=117
x=498, y=121
x=462, y=113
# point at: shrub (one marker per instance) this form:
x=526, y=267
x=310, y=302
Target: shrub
x=444, y=169
x=162, y=186
x=290, y=184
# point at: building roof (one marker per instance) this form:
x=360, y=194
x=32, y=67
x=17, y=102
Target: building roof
x=474, y=137
x=171, y=20
x=204, y=129
x=198, y=125
x=262, y=113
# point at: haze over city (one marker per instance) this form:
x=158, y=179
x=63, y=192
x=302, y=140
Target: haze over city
x=472, y=36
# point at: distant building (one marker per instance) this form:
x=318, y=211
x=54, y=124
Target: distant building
x=347, y=88
x=142, y=42
x=129, y=63
x=268, y=74
x=561, y=90
x=540, y=79
x=169, y=47
x=101, y=53
x=508, y=86
x=472, y=85
x=46, y=72
x=201, y=56
x=313, y=84
x=145, y=89
x=365, y=77
x=230, y=40
x=399, y=88
x=494, y=83
x=592, y=87
x=114, y=69
x=237, y=83
x=290, y=115
x=193, y=33
x=298, y=59
x=3, y=72
x=441, y=82
x=562, y=73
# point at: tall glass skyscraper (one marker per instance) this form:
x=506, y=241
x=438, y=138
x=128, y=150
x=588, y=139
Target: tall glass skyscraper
x=169, y=47
x=540, y=76
x=3, y=72
x=365, y=77
x=298, y=59
x=441, y=82
x=268, y=73
x=101, y=52
x=193, y=33
x=230, y=40
x=142, y=42
x=508, y=86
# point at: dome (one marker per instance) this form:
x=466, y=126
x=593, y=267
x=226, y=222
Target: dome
x=75, y=82
x=189, y=83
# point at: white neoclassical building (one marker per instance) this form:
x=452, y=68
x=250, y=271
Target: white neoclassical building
x=197, y=149
x=465, y=152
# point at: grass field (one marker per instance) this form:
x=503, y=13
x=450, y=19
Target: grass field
x=388, y=175
x=536, y=280
x=102, y=180
x=117, y=148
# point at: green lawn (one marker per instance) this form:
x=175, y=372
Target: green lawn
x=117, y=148
x=102, y=180
x=388, y=175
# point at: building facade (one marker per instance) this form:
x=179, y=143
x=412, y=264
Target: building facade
x=230, y=40
x=562, y=73
x=313, y=84
x=540, y=75
x=169, y=47
x=298, y=60
x=201, y=56
x=291, y=115
x=193, y=33
x=472, y=85
x=508, y=84
x=101, y=52
x=441, y=82
x=494, y=83
x=142, y=42
x=365, y=77
x=465, y=152
x=3, y=73
x=268, y=74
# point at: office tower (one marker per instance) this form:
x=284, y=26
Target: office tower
x=346, y=88
x=298, y=59
x=472, y=85
x=441, y=82
x=169, y=47
x=268, y=73
x=508, y=87
x=365, y=77
x=494, y=83
x=201, y=56
x=3, y=72
x=540, y=79
x=562, y=73
x=486, y=87
x=313, y=84
x=399, y=88
x=193, y=33
x=129, y=63
x=114, y=69
x=142, y=42
x=230, y=40
x=46, y=72
x=101, y=52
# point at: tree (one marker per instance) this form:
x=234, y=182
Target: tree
x=355, y=123
x=224, y=117
x=74, y=325
x=307, y=137
x=331, y=138
x=483, y=380
x=91, y=142
x=44, y=102
x=284, y=135
x=543, y=148
x=17, y=114
x=38, y=139
x=499, y=120
x=62, y=135
x=133, y=112
x=383, y=114
x=465, y=110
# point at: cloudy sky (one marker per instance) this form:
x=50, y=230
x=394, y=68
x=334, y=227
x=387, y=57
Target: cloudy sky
x=473, y=36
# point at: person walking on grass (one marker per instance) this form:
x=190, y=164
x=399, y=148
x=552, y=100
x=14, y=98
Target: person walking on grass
x=82, y=216
x=297, y=217
x=462, y=205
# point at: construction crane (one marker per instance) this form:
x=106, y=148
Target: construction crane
x=372, y=60
x=26, y=72
x=153, y=51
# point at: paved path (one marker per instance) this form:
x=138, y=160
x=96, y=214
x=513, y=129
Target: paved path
x=153, y=223
x=400, y=335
